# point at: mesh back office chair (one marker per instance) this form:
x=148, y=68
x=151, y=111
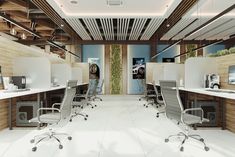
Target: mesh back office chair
x=55, y=116
x=98, y=90
x=159, y=100
x=176, y=111
x=78, y=104
x=154, y=97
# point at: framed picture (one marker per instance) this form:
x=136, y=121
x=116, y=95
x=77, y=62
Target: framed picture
x=138, y=68
x=94, y=69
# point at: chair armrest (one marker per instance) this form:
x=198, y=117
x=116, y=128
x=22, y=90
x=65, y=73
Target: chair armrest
x=47, y=109
x=56, y=104
x=195, y=109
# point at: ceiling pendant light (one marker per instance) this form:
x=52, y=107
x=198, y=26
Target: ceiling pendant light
x=13, y=31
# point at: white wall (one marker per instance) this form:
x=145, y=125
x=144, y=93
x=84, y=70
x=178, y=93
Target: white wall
x=195, y=70
x=62, y=72
x=36, y=69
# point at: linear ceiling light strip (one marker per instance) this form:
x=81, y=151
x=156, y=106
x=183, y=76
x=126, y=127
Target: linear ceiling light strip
x=147, y=30
x=223, y=29
x=141, y=28
x=225, y=33
x=217, y=17
x=76, y=26
x=200, y=27
x=205, y=34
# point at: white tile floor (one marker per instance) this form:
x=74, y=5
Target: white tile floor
x=119, y=127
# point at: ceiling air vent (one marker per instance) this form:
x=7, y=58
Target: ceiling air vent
x=114, y=2
x=74, y=2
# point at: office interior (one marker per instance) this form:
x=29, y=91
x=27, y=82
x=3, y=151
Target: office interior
x=117, y=78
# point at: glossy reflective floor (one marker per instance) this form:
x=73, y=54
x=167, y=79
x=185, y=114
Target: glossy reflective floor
x=119, y=127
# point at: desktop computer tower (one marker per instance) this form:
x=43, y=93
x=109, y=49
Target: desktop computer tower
x=26, y=110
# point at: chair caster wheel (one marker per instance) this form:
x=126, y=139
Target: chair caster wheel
x=101, y=100
x=85, y=118
x=81, y=107
x=34, y=149
x=69, y=138
x=157, y=106
x=92, y=107
x=146, y=106
x=206, y=148
x=95, y=105
x=166, y=140
x=139, y=99
x=86, y=115
x=32, y=141
x=70, y=120
x=181, y=149
x=157, y=115
x=201, y=139
x=60, y=146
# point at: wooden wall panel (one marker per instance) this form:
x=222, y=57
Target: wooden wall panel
x=107, y=69
x=124, y=69
x=223, y=64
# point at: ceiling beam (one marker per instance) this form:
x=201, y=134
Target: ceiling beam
x=176, y=15
x=55, y=17
x=21, y=3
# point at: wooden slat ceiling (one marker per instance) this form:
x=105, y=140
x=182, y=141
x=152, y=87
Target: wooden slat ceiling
x=29, y=16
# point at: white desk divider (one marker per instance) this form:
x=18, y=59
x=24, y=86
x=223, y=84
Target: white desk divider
x=196, y=68
x=77, y=74
x=36, y=69
x=168, y=71
x=85, y=71
x=61, y=72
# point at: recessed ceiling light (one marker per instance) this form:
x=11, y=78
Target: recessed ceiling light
x=74, y=2
x=62, y=25
x=168, y=25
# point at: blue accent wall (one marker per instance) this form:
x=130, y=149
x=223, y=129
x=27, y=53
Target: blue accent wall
x=173, y=51
x=212, y=49
x=136, y=51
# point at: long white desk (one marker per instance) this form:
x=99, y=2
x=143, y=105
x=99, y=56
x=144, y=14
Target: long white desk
x=11, y=95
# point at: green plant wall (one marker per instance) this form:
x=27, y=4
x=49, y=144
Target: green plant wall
x=190, y=48
x=116, y=69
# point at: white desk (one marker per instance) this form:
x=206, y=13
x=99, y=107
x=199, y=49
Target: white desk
x=11, y=95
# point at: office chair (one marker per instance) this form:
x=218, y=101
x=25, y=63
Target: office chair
x=86, y=98
x=55, y=116
x=175, y=111
x=78, y=104
x=147, y=92
x=155, y=97
x=98, y=90
x=159, y=100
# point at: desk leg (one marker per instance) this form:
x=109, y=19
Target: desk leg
x=45, y=98
x=39, y=106
x=10, y=114
x=223, y=113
